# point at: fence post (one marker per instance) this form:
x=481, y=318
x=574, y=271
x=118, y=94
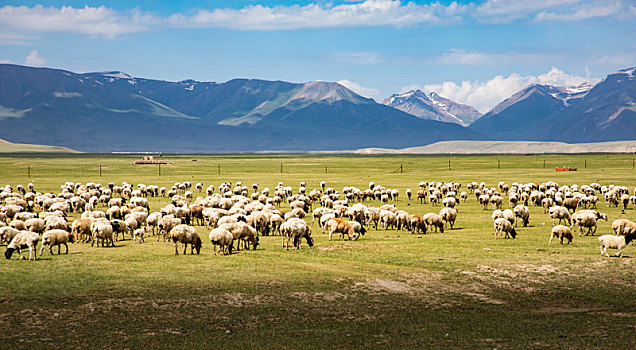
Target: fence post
x=544, y=164
x=159, y=169
x=219, y=170
x=401, y=169
x=325, y=169
x=29, y=171
x=586, y=164
x=449, y=168
x=281, y=168
x=100, y=170
x=498, y=163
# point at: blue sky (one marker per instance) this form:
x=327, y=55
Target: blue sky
x=476, y=52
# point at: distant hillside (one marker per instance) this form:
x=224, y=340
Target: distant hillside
x=8, y=147
x=113, y=111
x=508, y=147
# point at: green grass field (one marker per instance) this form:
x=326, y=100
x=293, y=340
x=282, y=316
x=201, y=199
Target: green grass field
x=461, y=289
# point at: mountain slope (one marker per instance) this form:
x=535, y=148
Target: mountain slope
x=433, y=106
x=109, y=111
x=605, y=112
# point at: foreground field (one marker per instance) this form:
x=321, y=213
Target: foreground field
x=389, y=289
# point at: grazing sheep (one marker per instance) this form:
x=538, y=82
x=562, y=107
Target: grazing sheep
x=623, y=226
x=586, y=219
x=56, y=238
x=417, y=224
x=561, y=232
x=294, y=230
x=448, y=215
x=165, y=224
x=615, y=242
x=102, y=231
x=18, y=225
x=496, y=202
x=484, y=200
x=185, y=234
x=337, y=225
x=357, y=228
x=522, y=212
x=222, y=238
x=82, y=229
x=497, y=214
x=560, y=213
x=243, y=232
x=434, y=220
x=571, y=203
x=388, y=218
x=22, y=240
x=503, y=226
x=449, y=202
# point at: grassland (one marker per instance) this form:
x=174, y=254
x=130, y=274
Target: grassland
x=390, y=289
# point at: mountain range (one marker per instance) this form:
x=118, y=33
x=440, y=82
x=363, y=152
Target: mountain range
x=113, y=111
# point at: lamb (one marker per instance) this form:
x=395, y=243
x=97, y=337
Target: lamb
x=615, y=242
x=484, y=199
x=623, y=226
x=522, y=212
x=388, y=218
x=561, y=232
x=138, y=235
x=165, y=224
x=21, y=240
x=56, y=238
x=222, y=238
x=275, y=221
x=35, y=225
x=434, y=220
x=503, y=226
x=337, y=225
x=448, y=215
x=185, y=234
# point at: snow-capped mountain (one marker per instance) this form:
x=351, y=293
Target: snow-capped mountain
x=433, y=106
x=604, y=112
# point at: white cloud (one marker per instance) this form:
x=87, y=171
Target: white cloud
x=87, y=20
x=110, y=23
x=359, y=57
x=485, y=95
x=475, y=58
x=361, y=90
x=4, y=61
x=34, y=59
x=585, y=11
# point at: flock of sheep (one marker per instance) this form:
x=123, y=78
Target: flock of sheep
x=233, y=213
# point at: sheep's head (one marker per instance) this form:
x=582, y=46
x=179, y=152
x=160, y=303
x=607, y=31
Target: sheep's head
x=71, y=238
x=363, y=230
x=628, y=238
x=602, y=216
x=310, y=241
x=8, y=253
x=197, y=244
x=513, y=233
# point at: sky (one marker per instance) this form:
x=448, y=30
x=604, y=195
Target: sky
x=476, y=52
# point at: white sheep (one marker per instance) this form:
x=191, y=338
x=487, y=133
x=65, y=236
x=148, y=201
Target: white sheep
x=185, y=234
x=448, y=215
x=7, y=233
x=503, y=226
x=222, y=238
x=615, y=242
x=295, y=230
x=561, y=232
x=561, y=214
x=434, y=220
x=56, y=238
x=623, y=226
x=22, y=240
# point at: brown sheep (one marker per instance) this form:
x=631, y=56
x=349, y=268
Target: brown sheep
x=337, y=225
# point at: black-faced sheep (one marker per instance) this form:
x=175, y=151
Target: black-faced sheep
x=504, y=227
x=615, y=242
